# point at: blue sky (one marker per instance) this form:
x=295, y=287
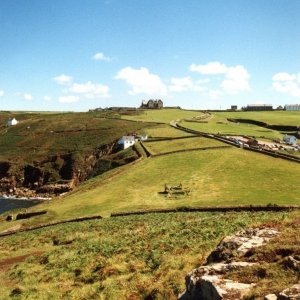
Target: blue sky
x=76, y=55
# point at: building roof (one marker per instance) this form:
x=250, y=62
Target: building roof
x=127, y=138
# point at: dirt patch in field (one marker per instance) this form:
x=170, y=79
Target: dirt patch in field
x=8, y=262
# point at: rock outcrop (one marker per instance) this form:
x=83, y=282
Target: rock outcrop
x=208, y=283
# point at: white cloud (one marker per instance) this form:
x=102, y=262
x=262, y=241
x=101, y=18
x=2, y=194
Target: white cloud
x=27, y=96
x=68, y=99
x=236, y=78
x=47, y=98
x=212, y=68
x=101, y=56
x=181, y=84
x=1, y=93
x=90, y=90
x=142, y=81
x=284, y=82
x=63, y=79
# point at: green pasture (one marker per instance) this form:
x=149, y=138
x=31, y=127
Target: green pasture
x=216, y=126
x=163, y=115
x=164, y=131
x=217, y=177
x=160, y=147
x=269, y=117
x=137, y=257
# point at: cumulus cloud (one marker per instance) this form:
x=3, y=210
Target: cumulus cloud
x=90, y=90
x=142, y=81
x=181, y=84
x=1, y=93
x=68, y=99
x=28, y=96
x=101, y=56
x=284, y=82
x=236, y=78
x=63, y=79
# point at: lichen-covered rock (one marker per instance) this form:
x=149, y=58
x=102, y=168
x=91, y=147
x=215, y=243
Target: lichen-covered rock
x=292, y=293
x=240, y=243
x=270, y=297
x=292, y=263
x=208, y=283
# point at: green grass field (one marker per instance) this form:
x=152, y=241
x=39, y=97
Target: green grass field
x=163, y=115
x=230, y=128
x=269, y=117
x=216, y=177
x=119, y=258
x=160, y=147
x=165, y=131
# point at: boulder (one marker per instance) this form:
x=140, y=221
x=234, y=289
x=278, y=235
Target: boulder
x=270, y=297
x=208, y=282
x=292, y=293
x=240, y=243
x=292, y=263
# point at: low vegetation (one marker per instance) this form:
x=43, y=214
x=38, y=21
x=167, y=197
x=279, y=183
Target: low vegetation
x=118, y=258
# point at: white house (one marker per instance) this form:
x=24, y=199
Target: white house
x=126, y=141
x=290, y=140
x=11, y=122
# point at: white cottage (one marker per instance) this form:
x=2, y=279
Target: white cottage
x=290, y=140
x=126, y=141
x=11, y=122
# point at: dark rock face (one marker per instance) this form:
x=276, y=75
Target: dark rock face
x=4, y=168
x=55, y=174
x=32, y=176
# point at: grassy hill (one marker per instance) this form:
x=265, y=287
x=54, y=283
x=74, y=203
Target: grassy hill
x=127, y=257
x=143, y=256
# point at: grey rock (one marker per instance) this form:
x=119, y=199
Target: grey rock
x=292, y=293
x=270, y=297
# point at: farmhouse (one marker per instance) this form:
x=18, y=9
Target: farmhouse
x=126, y=141
x=11, y=122
x=152, y=104
x=258, y=107
x=292, y=107
x=290, y=140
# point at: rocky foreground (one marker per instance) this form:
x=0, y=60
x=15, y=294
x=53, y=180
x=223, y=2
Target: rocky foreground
x=209, y=282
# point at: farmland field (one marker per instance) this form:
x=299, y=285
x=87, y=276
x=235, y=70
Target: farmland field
x=230, y=128
x=269, y=117
x=160, y=147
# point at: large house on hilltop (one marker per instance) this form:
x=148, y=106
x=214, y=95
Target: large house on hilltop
x=152, y=104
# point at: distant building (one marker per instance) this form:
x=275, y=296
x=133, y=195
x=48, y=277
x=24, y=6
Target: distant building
x=11, y=122
x=152, y=104
x=142, y=137
x=233, y=107
x=258, y=107
x=126, y=141
x=292, y=107
x=290, y=140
